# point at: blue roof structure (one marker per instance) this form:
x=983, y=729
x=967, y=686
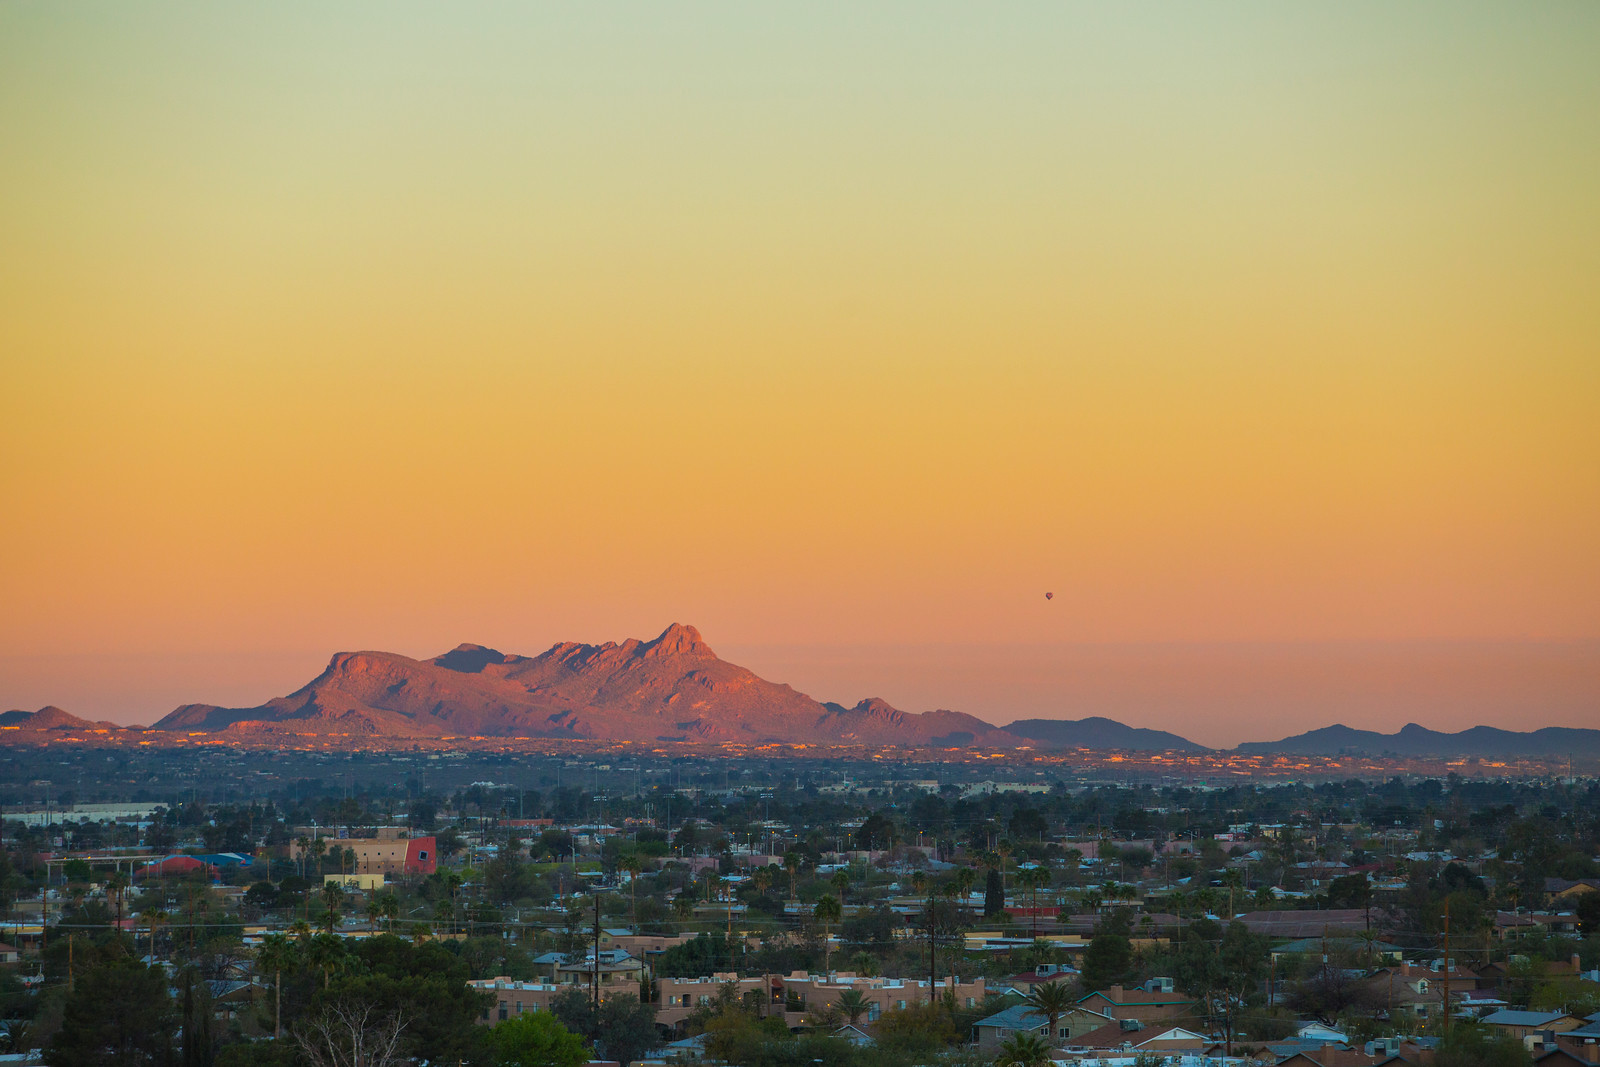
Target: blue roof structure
x=1016, y=1017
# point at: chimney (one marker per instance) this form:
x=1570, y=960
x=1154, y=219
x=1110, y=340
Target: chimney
x=1115, y=993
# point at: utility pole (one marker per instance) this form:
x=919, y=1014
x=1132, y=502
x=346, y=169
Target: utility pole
x=1447, y=965
x=931, y=976
x=595, y=979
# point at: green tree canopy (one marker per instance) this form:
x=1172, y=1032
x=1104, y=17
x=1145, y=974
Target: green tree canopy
x=536, y=1040
x=118, y=1014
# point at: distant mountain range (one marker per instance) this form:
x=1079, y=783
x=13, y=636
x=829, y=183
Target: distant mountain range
x=675, y=688
x=1414, y=740
x=1097, y=732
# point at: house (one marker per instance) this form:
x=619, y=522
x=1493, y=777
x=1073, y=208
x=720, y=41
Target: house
x=388, y=853
x=614, y=967
x=1562, y=1056
x=1493, y=975
x=1522, y=1023
x=1135, y=1035
x=9, y=953
x=1343, y=921
x=514, y=997
x=1351, y=948
x=1144, y=1005
x=855, y=1035
x=1568, y=890
x=998, y=1028
x=1318, y=1034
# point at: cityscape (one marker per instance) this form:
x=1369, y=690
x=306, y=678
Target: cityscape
x=875, y=534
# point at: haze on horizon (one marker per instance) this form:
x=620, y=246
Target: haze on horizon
x=841, y=333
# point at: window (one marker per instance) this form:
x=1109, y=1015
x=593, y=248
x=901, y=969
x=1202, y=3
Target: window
x=422, y=855
x=503, y=1012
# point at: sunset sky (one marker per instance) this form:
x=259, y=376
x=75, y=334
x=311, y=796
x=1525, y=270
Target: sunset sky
x=1266, y=337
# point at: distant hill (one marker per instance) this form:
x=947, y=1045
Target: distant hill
x=674, y=688
x=1414, y=740
x=1098, y=732
x=51, y=717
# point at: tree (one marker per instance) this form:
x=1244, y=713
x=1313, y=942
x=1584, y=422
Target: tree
x=840, y=882
x=853, y=1005
x=1052, y=1000
x=827, y=911
x=791, y=863
x=1024, y=1050
x=623, y=1029
x=199, y=1048
x=1224, y=967
x=116, y=887
x=916, y=1034
x=276, y=955
x=117, y=1013
x=1469, y=1044
x=994, y=894
x=1109, y=958
x=536, y=1040
x=352, y=1035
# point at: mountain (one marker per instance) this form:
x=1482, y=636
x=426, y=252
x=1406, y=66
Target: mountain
x=674, y=688
x=1414, y=740
x=51, y=717
x=1098, y=732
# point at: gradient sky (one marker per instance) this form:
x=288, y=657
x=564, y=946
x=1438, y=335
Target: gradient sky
x=819, y=327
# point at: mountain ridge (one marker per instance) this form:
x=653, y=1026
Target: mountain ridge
x=675, y=688
x=1415, y=740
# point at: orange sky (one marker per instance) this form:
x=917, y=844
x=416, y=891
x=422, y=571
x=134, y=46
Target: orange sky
x=398, y=326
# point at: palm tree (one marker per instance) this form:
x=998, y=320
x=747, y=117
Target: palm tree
x=840, y=882
x=1052, y=1000
x=154, y=918
x=319, y=849
x=966, y=878
x=865, y=964
x=276, y=953
x=117, y=886
x=303, y=843
x=391, y=909
x=1233, y=880
x=853, y=1005
x=826, y=912
x=444, y=913
x=327, y=953
x=332, y=895
x=1024, y=1050
x=791, y=863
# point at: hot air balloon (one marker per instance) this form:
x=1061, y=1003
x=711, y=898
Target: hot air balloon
x=1049, y=596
